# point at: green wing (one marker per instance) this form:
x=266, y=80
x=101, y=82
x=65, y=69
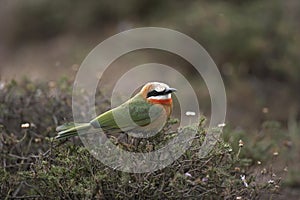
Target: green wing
x=128, y=116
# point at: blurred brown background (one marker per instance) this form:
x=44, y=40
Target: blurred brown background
x=254, y=43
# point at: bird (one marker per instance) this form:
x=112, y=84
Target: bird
x=143, y=114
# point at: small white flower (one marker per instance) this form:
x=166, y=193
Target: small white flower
x=243, y=178
x=241, y=143
x=188, y=174
x=221, y=125
x=190, y=113
x=2, y=85
x=258, y=162
x=25, y=125
x=271, y=181
x=263, y=171
x=205, y=179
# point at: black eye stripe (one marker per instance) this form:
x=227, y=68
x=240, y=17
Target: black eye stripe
x=154, y=93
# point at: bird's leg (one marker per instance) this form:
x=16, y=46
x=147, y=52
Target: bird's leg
x=124, y=141
x=123, y=138
x=136, y=142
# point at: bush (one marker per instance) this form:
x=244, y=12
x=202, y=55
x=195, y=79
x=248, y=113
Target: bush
x=35, y=166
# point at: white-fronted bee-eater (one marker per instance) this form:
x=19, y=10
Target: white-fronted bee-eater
x=145, y=113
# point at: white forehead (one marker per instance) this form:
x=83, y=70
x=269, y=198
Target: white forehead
x=159, y=87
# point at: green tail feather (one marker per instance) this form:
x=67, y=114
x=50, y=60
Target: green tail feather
x=70, y=129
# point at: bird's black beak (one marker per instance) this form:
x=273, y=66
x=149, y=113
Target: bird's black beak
x=170, y=90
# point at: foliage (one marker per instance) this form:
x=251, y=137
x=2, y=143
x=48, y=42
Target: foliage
x=35, y=166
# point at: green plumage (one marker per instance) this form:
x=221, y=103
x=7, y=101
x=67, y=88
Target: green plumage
x=116, y=120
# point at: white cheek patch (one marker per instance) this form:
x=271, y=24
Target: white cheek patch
x=160, y=97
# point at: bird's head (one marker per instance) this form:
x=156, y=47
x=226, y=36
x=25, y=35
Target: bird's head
x=157, y=93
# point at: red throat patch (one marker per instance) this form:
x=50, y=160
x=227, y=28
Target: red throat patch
x=161, y=101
